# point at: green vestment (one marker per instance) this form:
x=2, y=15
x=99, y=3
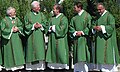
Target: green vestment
x=35, y=49
x=106, y=45
x=80, y=49
x=12, y=48
x=57, y=51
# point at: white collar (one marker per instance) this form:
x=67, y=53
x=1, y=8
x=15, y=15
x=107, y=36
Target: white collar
x=104, y=12
x=34, y=13
x=11, y=18
x=58, y=15
x=80, y=13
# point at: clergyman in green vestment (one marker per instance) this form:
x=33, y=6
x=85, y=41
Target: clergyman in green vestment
x=107, y=56
x=79, y=29
x=57, y=52
x=34, y=30
x=12, y=28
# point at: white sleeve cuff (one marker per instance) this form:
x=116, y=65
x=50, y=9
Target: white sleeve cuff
x=53, y=28
x=103, y=29
x=33, y=27
x=74, y=34
x=93, y=31
x=82, y=33
x=10, y=34
x=42, y=28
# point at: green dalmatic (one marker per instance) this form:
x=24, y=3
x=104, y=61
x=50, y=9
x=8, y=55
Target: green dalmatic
x=35, y=49
x=11, y=45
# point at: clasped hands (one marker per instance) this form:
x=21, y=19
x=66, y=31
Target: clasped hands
x=15, y=29
x=37, y=25
x=79, y=33
x=97, y=28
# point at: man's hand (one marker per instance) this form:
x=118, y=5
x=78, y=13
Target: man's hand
x=97, y=28
x=15, y=29
x=51, y=28
x=37, y=25
x=79, y=33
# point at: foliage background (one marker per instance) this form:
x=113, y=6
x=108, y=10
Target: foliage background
x=23, y=6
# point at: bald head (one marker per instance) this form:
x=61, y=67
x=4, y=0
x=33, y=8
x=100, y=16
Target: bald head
x=11, y=12
x=35, y=6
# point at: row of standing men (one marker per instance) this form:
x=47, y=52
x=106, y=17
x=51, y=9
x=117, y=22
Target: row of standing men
x=104, y=54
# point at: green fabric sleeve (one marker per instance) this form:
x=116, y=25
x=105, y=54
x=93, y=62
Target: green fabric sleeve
x=87, y=24
x=71, y=27
x=110, y=26
x=20, y=26
x=62, y=28
x=44, y=23
x=5, y=29
x=28, y=25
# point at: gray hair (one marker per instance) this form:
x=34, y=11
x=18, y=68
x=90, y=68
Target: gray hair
x=34, y=4
x=9, y=10
x=100, y=3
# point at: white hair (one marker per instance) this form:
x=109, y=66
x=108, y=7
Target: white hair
x=35, y=4
x=9, y=10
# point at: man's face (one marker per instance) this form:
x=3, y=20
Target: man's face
x=100, y=9
x=76, y=9
x=13, y=13
x=37, y=8
x=56, y=11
